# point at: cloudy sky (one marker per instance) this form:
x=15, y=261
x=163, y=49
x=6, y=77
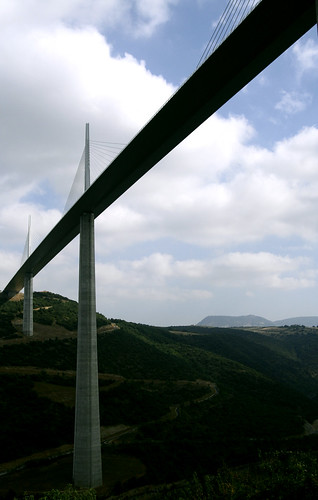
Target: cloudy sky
x=227, y=223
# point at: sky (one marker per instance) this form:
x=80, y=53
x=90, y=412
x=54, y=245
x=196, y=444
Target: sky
x=225, y=224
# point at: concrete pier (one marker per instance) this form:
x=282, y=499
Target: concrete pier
x=27, y=327
x=87, y=463
x=28, y=305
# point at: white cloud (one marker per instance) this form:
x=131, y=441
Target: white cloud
x=262, y=269
x=293, y=102
x=9, y=264
x=159, y=273
x=306, y=55
x=207, y=195
x=140, y=18
x=157, y=287
x=294, y=157
x=14, y=226
x=151, y=14
x=65, y=78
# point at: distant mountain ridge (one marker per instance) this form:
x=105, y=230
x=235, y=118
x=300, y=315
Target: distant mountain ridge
x=252, y=320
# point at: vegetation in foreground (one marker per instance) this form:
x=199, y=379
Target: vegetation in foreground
x=69, y=493
x=278, y=475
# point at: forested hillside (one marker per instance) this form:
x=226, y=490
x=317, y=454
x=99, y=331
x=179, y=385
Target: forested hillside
x=49, y=309
x=287, y=354
x=173, y=402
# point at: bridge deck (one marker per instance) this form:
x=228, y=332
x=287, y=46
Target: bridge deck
x=272, y=27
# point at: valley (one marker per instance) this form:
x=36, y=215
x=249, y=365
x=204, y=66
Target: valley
x=174, y=401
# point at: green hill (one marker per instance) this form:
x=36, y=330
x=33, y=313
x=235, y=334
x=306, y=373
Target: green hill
x=286, y=354
x=49, y=309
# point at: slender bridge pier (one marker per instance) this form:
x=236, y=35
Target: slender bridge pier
x=27, y=327
x=272, y=27
x=87, y=462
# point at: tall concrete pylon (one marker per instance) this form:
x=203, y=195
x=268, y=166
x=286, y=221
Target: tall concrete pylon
x=27, y=327
x=87, y=462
